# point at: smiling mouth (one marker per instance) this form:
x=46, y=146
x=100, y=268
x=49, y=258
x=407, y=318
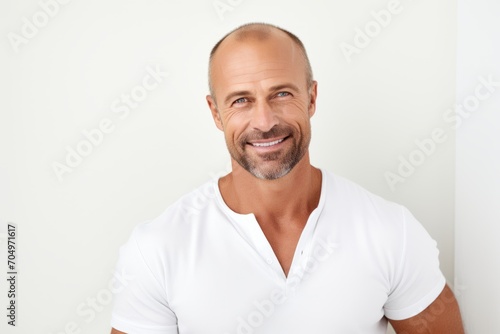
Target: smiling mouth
x=269, y=143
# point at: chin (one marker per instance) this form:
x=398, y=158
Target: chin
x=272, y=174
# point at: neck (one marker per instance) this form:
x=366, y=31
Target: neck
x=285, y=199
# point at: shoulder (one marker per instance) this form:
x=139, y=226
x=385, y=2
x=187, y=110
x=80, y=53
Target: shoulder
x=385, y=234
x=350, y=198
x=365, y=220
x=179, y=220
x=169, y=241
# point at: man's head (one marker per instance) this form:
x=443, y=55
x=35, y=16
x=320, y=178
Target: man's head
x=262, y=96
x=260, y=31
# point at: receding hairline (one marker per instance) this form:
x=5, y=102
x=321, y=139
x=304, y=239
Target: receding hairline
x=259, y=31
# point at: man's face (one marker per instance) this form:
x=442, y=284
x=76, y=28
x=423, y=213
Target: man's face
x=263, y=103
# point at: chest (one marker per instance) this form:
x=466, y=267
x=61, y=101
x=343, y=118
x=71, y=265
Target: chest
x=283, y=242
x=237, y=292
x=232, y=280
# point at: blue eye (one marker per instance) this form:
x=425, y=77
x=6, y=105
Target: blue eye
x=282, y=94
x=240, y=100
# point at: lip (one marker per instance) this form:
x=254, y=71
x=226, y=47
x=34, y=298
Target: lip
x=267, y=144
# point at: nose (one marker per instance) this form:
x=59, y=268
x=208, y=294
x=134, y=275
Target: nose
x=263, y=116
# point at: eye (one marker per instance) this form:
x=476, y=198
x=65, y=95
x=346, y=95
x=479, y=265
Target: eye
x=283, y=94
x=240, y=100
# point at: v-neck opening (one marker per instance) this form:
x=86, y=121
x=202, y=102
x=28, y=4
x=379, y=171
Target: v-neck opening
x=249, y=229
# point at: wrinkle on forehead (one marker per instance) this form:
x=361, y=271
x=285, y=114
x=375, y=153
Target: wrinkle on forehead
x=252, y=60
x=252, y=45
x=241, y=69
x=259, y=33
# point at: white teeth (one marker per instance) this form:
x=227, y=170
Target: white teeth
x=268, y=144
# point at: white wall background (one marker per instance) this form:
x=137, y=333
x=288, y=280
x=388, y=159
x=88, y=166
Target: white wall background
x=478, y=166
x=66, y=75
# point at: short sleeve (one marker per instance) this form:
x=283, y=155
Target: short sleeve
x=140, y=304
x=418, y=280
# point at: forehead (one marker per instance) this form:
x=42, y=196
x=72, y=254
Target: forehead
x=252, y=60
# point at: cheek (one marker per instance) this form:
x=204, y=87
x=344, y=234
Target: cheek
x=296, y=109
x=296, y=113
x=234, y=127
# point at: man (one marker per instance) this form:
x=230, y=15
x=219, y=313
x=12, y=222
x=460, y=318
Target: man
x=277, y=245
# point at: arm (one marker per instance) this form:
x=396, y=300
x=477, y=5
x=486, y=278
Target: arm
x=115, y=331
x=141, y=303
x=440, y=317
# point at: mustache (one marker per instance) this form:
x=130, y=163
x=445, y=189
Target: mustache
x=276, y=131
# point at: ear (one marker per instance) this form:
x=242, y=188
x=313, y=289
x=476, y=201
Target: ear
x=312, y=98
x=215, y=113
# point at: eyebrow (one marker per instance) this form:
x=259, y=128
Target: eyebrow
x=290, y=86
x=232, y=95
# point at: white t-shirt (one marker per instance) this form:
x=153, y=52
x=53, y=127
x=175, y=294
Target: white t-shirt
x=200, y=268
